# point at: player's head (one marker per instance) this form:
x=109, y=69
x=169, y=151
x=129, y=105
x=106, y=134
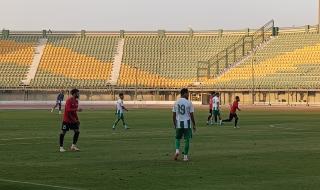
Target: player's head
x=61, y=91
x=184, y=93
x=237, y=99
x=213, y=93
x=217, y=94
x=121, y=96
x=75, y=93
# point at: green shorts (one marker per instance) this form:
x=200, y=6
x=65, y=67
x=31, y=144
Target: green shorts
x=183, y=132
x=216, y=112
x=120, y=115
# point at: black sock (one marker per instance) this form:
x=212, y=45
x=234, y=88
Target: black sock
x=215, y=118
x=209, y=117
x=61, y=140
x=75, y=137
x=236, y=122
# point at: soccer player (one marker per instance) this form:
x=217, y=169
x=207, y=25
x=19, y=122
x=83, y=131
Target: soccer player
x=120, y=107
x=216, y=108
x=182, y=114
x=60, y=98
x=233, y=114
x=209, y=121
x=71, y=120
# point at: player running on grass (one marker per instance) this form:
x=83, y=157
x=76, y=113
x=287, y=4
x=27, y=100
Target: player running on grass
x=233, y=112
x=182, y=114
x=209, y=121
x=59, y=100
x=71, y=120
x=120, y=107
x=216, y=108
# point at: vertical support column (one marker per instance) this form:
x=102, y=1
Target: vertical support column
x=227, y=58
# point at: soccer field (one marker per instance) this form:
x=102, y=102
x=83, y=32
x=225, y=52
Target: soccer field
x=271, y=150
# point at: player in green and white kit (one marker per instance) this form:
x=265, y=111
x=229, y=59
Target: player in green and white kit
x=120, y=107
x=182, y=114
x=216, y=108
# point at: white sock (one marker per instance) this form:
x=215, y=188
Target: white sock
x=185, y=156
x=73, y=145
x=177, y=151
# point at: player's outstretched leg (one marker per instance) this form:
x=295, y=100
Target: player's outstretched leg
x=228, y=120
x=59, y=108
x=124, y=123
x=186, y=149
x=177, y=144
x=54, y=107
x=75, y=140
x=209, y=118
x=236, y=122
x=115, y=123
x=62, y=134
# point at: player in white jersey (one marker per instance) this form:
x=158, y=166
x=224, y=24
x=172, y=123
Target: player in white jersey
x=119, y=112
x=182, y=117
x=216, y=108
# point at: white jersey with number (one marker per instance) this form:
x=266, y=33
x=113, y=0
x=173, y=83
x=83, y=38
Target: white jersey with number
x=183, y=108
x=216, y=103
x=119, y=106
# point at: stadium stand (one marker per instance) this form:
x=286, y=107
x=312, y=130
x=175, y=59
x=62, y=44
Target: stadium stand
x=16, y=54
x=76, y=61
x=290, y=61
x=169, y=61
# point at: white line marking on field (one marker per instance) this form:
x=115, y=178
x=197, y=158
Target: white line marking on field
x=38, y=184
x=289, y=128
x=21, y=138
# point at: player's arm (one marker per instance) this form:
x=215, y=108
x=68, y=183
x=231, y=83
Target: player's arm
x=193, y=121
x=192, y=117
x=124, y=108
x=174, y=120
x=238, y=107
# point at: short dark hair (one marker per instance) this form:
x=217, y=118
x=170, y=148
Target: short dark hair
x=121, y=94
x=213, y=92
x=237, y=98
x=217, y=94
x=183, y=91
x=73, y=91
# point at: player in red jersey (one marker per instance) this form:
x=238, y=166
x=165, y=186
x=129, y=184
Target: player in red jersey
x=71, y=120
x=209, y=121
x=233, y=112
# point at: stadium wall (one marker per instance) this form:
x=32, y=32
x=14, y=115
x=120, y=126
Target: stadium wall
x=258, y=97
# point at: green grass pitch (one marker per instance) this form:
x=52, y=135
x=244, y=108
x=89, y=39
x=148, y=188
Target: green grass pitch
x=272, y=150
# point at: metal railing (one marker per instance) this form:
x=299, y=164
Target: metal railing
x=234, y=53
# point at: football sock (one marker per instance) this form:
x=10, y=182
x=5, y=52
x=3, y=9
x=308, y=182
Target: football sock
x=215, y=118
x=209, y=117
x=61, y=139
x=123, y=122
x=186, y=146
x=116, y=122
x=236, y=122
x=177, y=144
x=75, y=137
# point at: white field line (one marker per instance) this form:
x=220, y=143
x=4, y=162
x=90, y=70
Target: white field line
x=38, y=184
x=288, y=128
